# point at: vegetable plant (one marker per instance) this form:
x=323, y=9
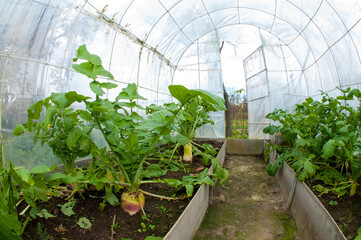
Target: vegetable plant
x=62, y=128
x=194, y=115
x=322, y=141
x=17, y=184
x=130, y=136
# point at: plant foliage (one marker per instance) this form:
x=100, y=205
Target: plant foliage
x=322, y=141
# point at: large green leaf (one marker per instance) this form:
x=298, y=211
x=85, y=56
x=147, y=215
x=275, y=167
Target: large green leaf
x=94, y=86
x=25, y=176
x=328, y=150
x=182, y=140
x=64, y=100
x=84, y=54
x=73, y=177
x=85, y=115
x=73, y=137
x=113, y=138
x=100, y=71
x=39, y=169
x=108, y=85
x=131, y=142
x=189, y=189
x=9, y=225
x=154, y=170
x=183, y=95
x=56, y=176
x=36, y=108
x=130, y=92
x=304, y=167
x=49, y=116
x=73, y=96
x=150, y=124
x=110, y=197
x=180, y=93
x=211, y=98
x=19, y=129
x=85, y=68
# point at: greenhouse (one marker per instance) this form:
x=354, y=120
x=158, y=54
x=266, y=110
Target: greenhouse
x=106, y=96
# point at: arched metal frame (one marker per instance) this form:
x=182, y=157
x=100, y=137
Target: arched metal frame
x=155, y=43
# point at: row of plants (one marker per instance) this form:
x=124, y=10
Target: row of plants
x=321, y=142
x=142, y=144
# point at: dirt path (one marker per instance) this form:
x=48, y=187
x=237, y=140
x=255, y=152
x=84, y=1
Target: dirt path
x=249, y=206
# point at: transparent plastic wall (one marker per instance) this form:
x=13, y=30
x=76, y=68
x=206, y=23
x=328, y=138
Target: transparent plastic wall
x=257, y=94
x=307, y=46
x=200, y=67
x=40, y=38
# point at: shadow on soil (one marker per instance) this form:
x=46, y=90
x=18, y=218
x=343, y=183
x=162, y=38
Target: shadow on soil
x=250, y=205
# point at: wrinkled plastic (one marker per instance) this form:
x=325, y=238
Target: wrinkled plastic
x=304, y=47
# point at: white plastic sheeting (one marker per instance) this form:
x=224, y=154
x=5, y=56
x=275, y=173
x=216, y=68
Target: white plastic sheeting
x=305, y=46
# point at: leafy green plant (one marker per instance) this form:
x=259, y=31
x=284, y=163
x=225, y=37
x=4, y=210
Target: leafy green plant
x=124, y=129
x=42, y=233
x=62, y=128
x=194, y=115
x=115, y=226
x=144, y=226
x=322, y=141
x=332, y=203
x=130, y=137
x=17, y=184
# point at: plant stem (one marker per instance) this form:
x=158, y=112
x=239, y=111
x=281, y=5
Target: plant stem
x=117, y=183
x=24, y=225
x=193, y=142
x=160, y=196
x=126, y=177
x=24, y=211
x=136, y=179
x=171, y=156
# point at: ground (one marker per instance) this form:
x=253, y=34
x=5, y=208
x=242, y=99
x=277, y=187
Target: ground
x=250, y=205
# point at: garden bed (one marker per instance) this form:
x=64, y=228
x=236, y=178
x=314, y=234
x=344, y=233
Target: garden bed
x=345, y=210
x=113, y=223
x=310, y=212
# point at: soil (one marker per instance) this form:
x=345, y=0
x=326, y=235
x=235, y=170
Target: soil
x=345, y=210
x=249, y=205
x=111, y=222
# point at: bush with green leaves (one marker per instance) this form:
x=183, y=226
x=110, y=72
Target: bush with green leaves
x=18, y=184
x=322, y=141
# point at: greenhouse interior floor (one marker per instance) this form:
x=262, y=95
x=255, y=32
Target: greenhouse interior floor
x=249, y=205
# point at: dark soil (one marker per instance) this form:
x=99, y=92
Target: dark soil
x=345, y=210
x=111, y=222
x=125, y=226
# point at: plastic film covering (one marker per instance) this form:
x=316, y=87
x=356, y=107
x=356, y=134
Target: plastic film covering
x=302, y=47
